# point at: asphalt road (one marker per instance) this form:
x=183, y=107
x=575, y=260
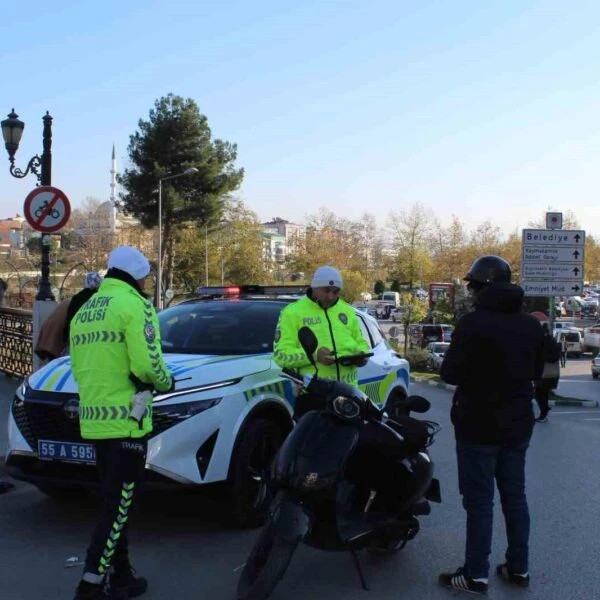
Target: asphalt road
x=187, y=554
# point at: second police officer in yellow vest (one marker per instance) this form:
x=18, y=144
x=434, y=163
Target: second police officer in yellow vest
x=115, y=350
x=336, y=326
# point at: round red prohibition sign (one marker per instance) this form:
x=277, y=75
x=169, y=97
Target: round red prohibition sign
x=47, y=209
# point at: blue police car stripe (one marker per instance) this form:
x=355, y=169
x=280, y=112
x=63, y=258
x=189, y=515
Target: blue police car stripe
x=51, y=371
x=61, y=383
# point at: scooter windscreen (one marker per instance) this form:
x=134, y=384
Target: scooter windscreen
x=314, y=455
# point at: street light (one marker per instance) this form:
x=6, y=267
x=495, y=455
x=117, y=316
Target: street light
x=41, y=167
x=189, y=171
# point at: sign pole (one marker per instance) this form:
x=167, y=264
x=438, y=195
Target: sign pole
x=46, y=209
x=45, y=291
x=44, y=303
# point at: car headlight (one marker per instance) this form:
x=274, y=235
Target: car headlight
x=185, y=410
x=21, y=391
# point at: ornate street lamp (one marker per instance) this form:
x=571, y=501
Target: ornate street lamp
x=41, y=167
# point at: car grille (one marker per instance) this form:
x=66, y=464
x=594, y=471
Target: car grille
x=45, y=421
x=48, y=421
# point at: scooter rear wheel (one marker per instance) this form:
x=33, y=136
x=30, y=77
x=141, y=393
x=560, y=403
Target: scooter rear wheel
x=267, y=563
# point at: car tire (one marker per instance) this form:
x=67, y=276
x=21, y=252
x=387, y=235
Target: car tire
x=595, y=375
x=248, y=491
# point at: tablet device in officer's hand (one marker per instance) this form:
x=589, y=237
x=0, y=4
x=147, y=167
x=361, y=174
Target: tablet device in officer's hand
x=351, y=358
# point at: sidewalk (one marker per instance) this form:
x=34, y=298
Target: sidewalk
x=7, y=390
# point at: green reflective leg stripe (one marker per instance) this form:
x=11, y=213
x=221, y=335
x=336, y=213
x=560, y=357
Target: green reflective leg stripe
x=117, y=526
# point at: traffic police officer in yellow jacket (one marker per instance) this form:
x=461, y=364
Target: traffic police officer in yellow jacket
x=116, y=353
x=336, y=326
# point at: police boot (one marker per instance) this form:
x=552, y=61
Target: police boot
x=123, y=584
x=90, y=591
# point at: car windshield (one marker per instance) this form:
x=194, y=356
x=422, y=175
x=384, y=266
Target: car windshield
x=220, y=327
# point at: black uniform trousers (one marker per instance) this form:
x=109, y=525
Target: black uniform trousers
x=121, y=464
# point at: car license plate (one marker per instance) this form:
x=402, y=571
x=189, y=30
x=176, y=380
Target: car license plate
x=67, y=451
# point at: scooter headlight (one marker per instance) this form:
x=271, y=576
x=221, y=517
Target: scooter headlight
x=345, y=407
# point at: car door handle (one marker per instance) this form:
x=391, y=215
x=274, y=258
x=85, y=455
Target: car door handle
x=386, y=367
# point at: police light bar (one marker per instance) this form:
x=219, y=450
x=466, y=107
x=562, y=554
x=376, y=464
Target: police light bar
x=274, y=290
x=214, y=290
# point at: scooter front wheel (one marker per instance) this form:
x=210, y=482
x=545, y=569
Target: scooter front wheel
x=386, y=546
x=266, y=565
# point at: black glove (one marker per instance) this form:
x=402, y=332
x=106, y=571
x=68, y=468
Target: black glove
x=140, y=386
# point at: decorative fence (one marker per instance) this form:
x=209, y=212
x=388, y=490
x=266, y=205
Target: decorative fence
x=16, y=341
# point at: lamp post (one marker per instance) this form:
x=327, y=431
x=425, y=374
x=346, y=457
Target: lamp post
x=190, y=171
x=41, y=167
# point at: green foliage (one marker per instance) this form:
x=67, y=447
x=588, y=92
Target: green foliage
x=177, y=137
x=354, y=284
x=234, y=251
x=379, y=287
x=395, y=287
x=417, y=359
x=444, y=312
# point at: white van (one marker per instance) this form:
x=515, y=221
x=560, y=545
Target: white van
x=574, y=341
x=393, y=297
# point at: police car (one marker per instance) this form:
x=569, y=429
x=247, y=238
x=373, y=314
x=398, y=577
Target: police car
x=223, y=423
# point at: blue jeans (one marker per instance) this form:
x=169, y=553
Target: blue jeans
x=478, y=466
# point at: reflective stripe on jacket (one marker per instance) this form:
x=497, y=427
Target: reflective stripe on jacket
x=336, y=328
x=113, y=334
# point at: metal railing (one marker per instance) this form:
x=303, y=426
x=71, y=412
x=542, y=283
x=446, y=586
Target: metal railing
x=16, y=341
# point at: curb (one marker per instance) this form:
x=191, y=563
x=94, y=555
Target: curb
x=574, y=402
x=553, y=402
x=433, y=382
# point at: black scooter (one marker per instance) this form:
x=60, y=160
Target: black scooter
x=347, y=478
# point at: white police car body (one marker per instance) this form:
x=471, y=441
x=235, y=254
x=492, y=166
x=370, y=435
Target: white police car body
x=229, y=413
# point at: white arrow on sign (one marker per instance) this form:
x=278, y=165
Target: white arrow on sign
x=551, y=271
x=553, y=237
x=563, y=254
x=552, y=288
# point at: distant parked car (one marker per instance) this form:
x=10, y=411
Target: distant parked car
x=437, y=351
x=396, y=314
x=596, y=367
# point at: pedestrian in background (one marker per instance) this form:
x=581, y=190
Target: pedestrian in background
x=495, y=353
x=53, y=339
x=564, y=346
x=550, y=375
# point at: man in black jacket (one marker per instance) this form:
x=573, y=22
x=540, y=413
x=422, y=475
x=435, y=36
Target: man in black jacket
x=495, y=353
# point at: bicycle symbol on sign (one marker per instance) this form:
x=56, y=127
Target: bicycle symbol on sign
x=54, y=212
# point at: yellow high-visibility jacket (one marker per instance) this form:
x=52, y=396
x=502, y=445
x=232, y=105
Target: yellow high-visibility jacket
x=336, y=328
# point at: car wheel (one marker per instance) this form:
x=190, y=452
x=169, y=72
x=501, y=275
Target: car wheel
x=595, y=375
x=249, y=481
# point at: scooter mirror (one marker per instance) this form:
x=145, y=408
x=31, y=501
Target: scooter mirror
x=308, y=340
x=417, y=404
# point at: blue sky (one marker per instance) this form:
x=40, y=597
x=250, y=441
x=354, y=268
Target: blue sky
x=485, y=110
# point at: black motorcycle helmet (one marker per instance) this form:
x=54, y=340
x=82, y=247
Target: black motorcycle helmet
x=487, y=269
